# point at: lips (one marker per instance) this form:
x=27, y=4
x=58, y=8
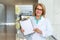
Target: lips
x=38, y=12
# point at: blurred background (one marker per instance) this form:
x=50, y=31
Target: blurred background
x=12, y=10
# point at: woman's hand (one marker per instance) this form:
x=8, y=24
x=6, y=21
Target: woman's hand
x=37, y=30
x=22, y=30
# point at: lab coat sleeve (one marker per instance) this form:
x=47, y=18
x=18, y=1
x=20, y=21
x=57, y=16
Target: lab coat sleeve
x=48, y=30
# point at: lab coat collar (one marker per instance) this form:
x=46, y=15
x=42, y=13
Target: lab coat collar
x=40, y=20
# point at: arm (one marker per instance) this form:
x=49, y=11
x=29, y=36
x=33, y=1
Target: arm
x=48, y=30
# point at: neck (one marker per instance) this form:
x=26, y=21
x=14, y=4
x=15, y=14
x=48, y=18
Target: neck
x=38, y=17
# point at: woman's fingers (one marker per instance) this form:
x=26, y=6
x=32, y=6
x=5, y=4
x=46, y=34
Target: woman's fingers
x=37, y=30
x=22, y=30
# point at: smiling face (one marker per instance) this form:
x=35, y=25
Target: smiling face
x=38, y=10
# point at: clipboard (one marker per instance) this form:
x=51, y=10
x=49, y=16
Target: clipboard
x=27, y=26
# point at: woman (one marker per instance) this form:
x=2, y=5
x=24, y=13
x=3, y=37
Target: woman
x=42, y=26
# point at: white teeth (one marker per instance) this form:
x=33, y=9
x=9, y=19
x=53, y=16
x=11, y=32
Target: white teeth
x=7, y=23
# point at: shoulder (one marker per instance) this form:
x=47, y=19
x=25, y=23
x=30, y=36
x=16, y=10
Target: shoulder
x=46, y=19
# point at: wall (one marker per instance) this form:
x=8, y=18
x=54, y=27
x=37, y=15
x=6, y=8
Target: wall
x=56, y=18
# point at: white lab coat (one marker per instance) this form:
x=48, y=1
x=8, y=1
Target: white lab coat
x=44, y=25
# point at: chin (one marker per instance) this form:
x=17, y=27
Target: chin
x=38, y=14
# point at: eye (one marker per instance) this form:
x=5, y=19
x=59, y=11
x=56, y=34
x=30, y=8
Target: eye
x=38, y=9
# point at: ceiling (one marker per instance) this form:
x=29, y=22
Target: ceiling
x=13, y=2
